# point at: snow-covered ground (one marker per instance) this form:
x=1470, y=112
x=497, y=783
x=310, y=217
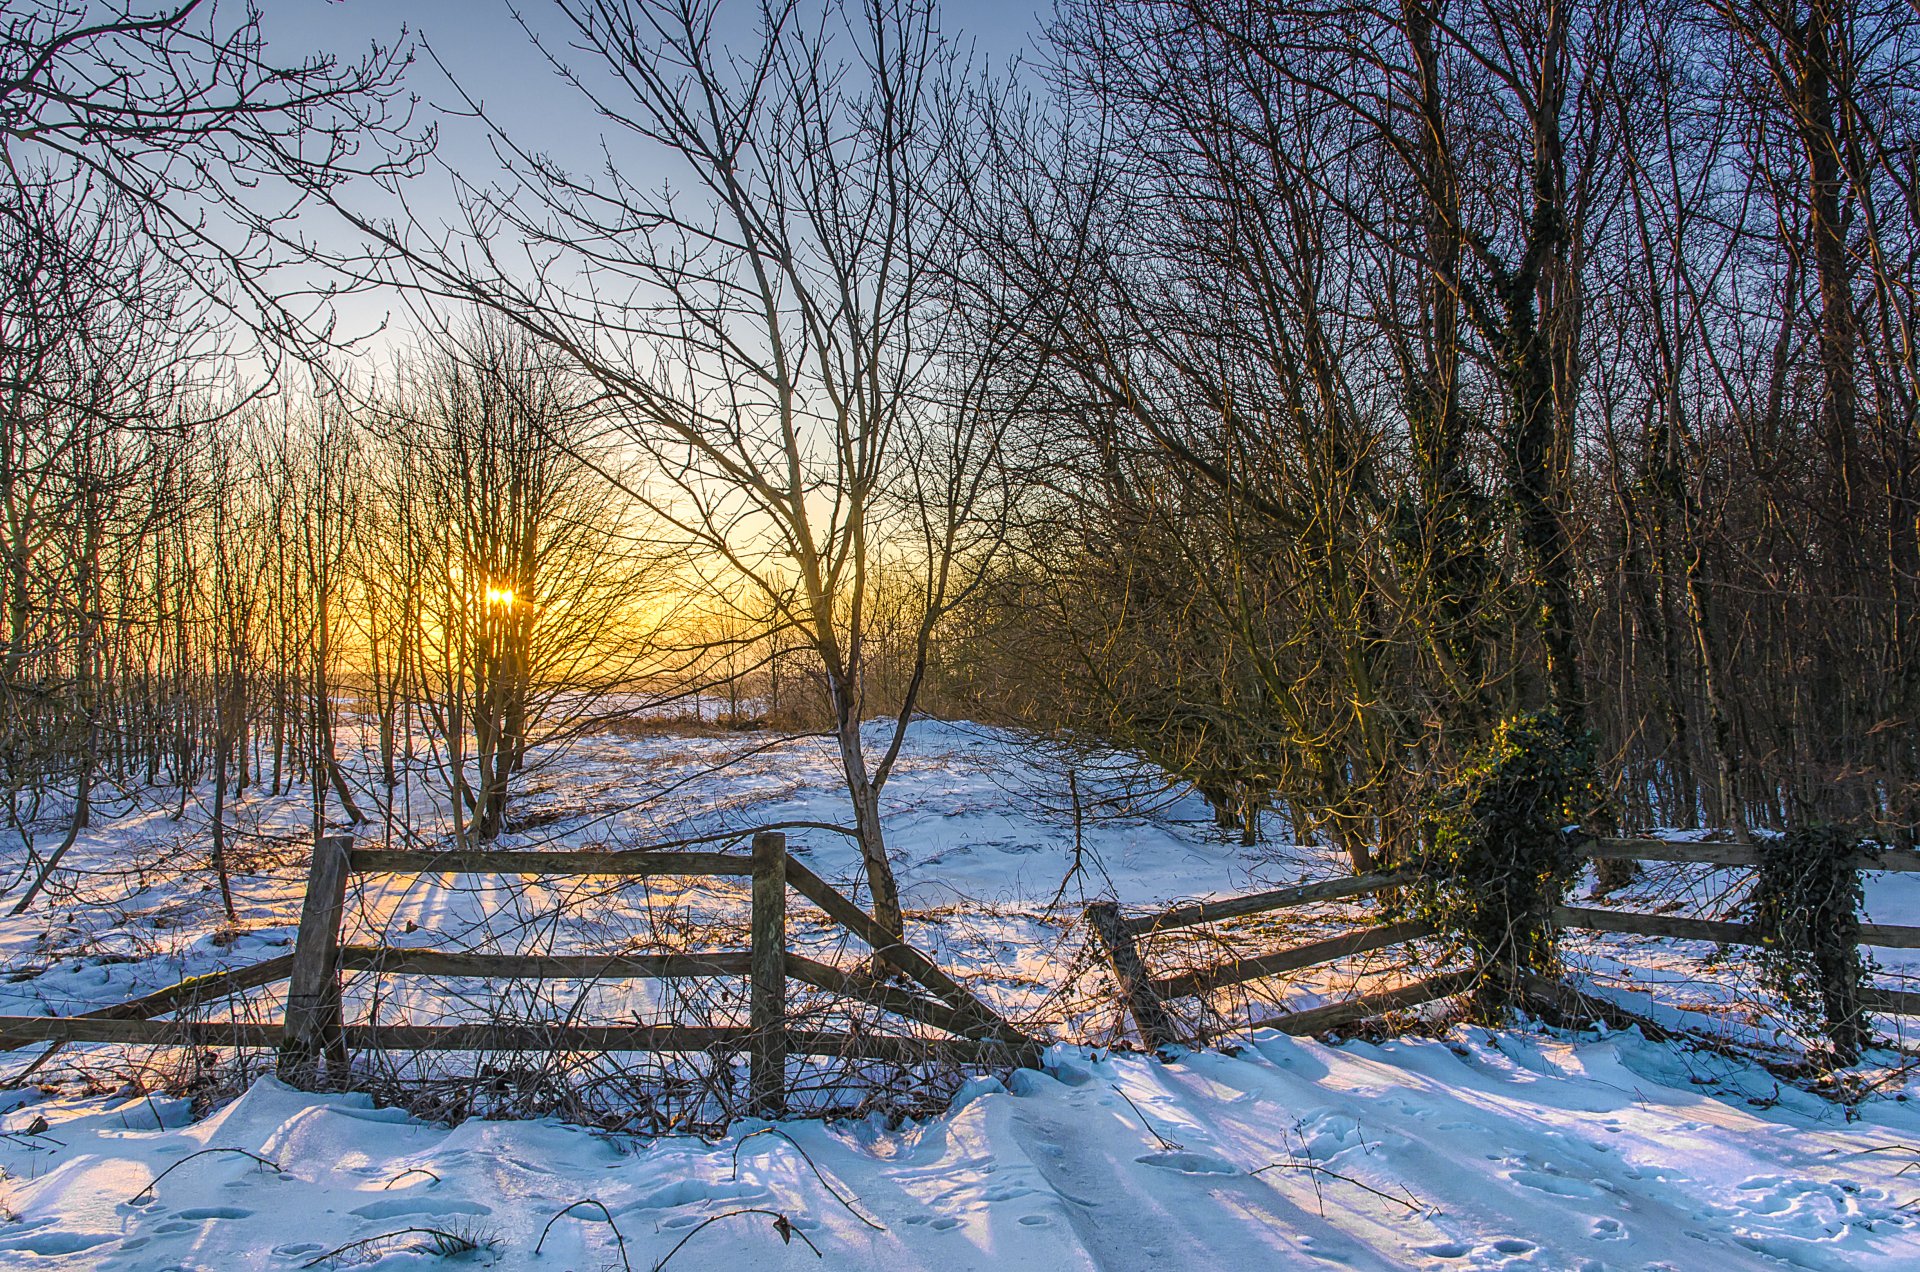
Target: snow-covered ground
x=1467, y=1149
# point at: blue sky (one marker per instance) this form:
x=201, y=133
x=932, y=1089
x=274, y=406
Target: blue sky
x=481, y=45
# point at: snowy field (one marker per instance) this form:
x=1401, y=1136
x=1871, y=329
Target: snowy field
x=1463, y=1149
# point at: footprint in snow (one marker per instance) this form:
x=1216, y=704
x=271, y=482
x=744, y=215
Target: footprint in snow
x=939, y=1223
x=1187, y=1163
x=213, y=1212
x=57, y=1242
x=1444, y=1249
x=1554, y=1185
x=420, y=1206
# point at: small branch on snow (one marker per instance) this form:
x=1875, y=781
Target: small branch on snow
x=1166, y=1145
x=1409, y=1201
x=781, y=1224
x=411, y=1170
x=148, y=1190
x=444, y=1244
x=831, y=1190
x=620, y=1242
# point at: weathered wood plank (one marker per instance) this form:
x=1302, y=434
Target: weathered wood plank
x=194, y=989
x=767, y=984
x=313, y=988
x=1332, y=1015
x=1727, y=854
x=1708, y=854
x=1632, y=923
x=377, y=958
x=183, y=1033
x=986, y=1022
x=498, y=1037
x=484, y=861
x=1130, y=975
x=1236, y=971
x=1890, y=1002
x=858, y=985
x=1261, y=902
x=1720, y=932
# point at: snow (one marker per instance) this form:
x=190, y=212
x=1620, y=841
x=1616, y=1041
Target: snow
x=1528, y=1148
x=1485, y=1150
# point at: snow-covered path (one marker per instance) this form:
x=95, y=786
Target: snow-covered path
x=1483, y=1151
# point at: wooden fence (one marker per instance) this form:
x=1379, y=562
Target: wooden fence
x=1146, y=996
x=1890, y=1002
x=314, y=1038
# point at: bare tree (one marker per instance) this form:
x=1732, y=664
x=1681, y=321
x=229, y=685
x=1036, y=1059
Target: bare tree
x=767, y=327
x=532, y=599
x=93, y=373
x=206, y=143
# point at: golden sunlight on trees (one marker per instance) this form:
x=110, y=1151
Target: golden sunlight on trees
x=778, y=329
x=514, y=595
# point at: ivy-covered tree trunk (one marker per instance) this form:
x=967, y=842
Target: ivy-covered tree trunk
x=1496, y=853
x=1806, y=903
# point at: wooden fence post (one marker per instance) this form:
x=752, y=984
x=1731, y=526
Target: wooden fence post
x=1130, y=973
x=313, y=1025
x=767, y=995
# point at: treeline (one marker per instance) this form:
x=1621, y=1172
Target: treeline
x=1428, y=363
x=1292, y=392
x=202, y=593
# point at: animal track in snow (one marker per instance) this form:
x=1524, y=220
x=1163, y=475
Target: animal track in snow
x=420, y=1206
x=1188, y=1163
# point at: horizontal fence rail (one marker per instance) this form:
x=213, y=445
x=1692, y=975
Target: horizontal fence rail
x=1726, y=854
x=1240, y=970
x=483, y=861
x=194, y=989
x=504, y=1037
x=375, y=958
x=1718, y=931
x=1262, y=902
x=1353, y=1010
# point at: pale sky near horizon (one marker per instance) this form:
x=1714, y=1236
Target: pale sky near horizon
x=481, y=46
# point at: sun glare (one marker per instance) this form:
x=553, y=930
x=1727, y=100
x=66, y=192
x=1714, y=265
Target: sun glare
x=500, y=596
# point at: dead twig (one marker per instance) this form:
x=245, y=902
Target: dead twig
x=831, y=1190
x=444, y=1244
x=148, y=1190
x=411, y=1170
x=1316, y=1168
x=620, y=1241
x=1166, y=1145
x=781, y=1224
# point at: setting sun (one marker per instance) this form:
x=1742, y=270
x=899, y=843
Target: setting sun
x=500, y=596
